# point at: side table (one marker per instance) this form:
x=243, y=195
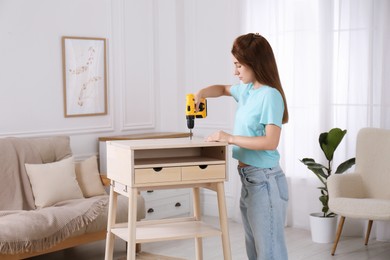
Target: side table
x=138, y=165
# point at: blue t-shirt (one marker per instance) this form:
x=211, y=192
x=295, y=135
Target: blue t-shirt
x=256, y=109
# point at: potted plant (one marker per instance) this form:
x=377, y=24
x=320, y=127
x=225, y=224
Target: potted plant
x=329, y=142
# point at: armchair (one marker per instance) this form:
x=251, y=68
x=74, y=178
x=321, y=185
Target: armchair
x=364, y=194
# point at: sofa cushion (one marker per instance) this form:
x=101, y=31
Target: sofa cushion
x=53, y=182
x=88, y=177
x=15, y=187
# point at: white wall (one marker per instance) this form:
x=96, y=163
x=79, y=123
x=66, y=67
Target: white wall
x=158, y=51
x=31, y=101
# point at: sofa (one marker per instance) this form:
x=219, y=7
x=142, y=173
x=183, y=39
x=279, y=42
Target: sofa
x=48, y=200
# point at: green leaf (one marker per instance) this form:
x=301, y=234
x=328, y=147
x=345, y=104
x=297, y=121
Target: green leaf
x=345, y=165
x=325, y=210
x=307, y=161
x=324, y=200
x=330, y=141
x=316, y=168
x=331, y=214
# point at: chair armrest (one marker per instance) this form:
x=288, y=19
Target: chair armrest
x=345, y=185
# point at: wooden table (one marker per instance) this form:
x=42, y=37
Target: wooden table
x=138, y=165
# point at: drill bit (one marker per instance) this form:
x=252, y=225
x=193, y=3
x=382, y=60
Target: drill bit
x=190, y=134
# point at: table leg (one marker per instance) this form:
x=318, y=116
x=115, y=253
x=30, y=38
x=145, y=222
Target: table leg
x=197, y=215
x=132, y=220
x=223, y=221
x=112, y=206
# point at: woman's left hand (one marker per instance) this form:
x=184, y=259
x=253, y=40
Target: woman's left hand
x=220, y=136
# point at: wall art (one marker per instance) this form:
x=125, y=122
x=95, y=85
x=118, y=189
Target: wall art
x=85, y=76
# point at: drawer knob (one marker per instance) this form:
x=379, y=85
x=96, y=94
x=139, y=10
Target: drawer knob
x=150, y=191
x=151, y=210
x=177, y=204
x=203, y=166
x=157, y=169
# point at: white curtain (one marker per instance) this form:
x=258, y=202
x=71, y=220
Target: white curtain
x=334, y=63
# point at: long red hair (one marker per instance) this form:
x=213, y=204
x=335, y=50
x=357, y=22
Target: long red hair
x=254, y=51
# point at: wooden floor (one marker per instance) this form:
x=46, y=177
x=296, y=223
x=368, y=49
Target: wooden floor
x=299, y=245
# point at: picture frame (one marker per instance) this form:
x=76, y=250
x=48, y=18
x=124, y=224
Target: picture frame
x=84, y=76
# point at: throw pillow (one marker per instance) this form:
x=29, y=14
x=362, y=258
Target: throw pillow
x=53, y=182
x=88, y=176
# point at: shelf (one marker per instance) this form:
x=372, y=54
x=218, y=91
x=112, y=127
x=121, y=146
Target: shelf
x=175, y=161
x=146, y=233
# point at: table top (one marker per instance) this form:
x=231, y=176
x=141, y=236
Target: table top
x=166, y=143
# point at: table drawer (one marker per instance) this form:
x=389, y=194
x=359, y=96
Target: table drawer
x=157, y=175
x=203, y=172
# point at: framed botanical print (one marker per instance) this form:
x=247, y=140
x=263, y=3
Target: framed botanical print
x=85, y=76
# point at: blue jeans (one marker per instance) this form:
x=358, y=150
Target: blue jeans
x=263, y=204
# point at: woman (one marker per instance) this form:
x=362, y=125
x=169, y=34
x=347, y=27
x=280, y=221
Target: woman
x=261, y=111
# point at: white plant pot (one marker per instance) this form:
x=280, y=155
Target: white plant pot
x=323, y=230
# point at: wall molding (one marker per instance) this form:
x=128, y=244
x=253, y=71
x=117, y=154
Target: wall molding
x=70, y=131
x=139, y=126
x=118, y=72
x=149, y=80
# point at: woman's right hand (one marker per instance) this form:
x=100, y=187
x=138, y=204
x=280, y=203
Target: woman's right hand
x=198, y=97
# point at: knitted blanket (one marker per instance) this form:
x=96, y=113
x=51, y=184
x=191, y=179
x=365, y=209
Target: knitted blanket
x=36, y=230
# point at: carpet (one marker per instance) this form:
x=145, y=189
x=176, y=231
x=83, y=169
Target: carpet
x=149, y=256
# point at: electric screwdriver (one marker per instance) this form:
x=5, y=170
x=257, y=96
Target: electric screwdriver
x=191, y=112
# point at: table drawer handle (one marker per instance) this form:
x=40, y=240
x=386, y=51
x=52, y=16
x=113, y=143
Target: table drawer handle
x=177, y=204
x=150, y=191
x=151, y=210
x=157, y=169
x=203, y=166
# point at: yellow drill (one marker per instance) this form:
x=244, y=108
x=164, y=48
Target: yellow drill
x=191, y=112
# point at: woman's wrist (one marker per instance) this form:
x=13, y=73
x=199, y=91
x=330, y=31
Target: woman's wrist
x=231, y=139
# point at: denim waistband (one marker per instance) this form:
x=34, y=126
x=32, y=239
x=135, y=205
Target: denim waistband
x=249, y=169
